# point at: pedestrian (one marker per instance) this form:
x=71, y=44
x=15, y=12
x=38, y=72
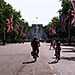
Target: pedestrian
x=57, y=51
x=52, y=44
x=35, y=44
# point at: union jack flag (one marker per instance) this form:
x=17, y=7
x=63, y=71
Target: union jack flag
x=73, y=4
x=73, y=19
x=63, y=23
x=52, y=31
x=10, y=25
x=19, y=26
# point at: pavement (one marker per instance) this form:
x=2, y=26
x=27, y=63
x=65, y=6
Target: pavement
x=12, y=57
x=16, y=59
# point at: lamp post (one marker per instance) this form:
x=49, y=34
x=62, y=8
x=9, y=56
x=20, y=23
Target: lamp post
x=37, y=35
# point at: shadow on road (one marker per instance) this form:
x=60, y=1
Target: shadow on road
x=2, y=45
x=68, y=58
x=29, y=62
x=68, y=51
x=68, y=48
x=53, y=62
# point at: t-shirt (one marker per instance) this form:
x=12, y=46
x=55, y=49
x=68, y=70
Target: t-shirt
x=58, y=48
x=35, y=43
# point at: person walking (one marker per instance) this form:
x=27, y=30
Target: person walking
x=57, y=51
x=52, y=44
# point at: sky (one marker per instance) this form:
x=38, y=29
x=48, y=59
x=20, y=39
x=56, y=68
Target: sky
x=45, y=10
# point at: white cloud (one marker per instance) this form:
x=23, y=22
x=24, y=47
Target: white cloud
x=43, y=9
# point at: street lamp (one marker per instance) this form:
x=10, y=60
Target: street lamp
x=37, y=35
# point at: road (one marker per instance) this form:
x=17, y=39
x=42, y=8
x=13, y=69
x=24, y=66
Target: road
x=12, y=57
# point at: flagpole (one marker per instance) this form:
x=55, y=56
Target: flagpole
x=69, y=27
x=18, y=34
x=59, y=23
x=4, y=36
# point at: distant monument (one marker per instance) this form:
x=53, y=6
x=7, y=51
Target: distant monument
x=37, y=31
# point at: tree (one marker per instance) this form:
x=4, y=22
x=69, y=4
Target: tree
x=66, y=9
x=54, y=23
x=7, y=12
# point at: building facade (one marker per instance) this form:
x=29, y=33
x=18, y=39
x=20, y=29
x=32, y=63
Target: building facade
x=37, y=31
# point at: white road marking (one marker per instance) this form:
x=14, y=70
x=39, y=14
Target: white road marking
x=51, y=67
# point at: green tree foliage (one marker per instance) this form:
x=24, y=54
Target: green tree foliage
x=55, y=22
x=66, y=9
x=7, y=12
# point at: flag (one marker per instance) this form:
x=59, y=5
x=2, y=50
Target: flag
x=10, y=25
x=52, y=31
x=19, y=26
x=73, y=19
x=23, y=32
x=73, y=4
x=63, y=23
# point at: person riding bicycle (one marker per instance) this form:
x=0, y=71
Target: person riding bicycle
x=35, y=44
